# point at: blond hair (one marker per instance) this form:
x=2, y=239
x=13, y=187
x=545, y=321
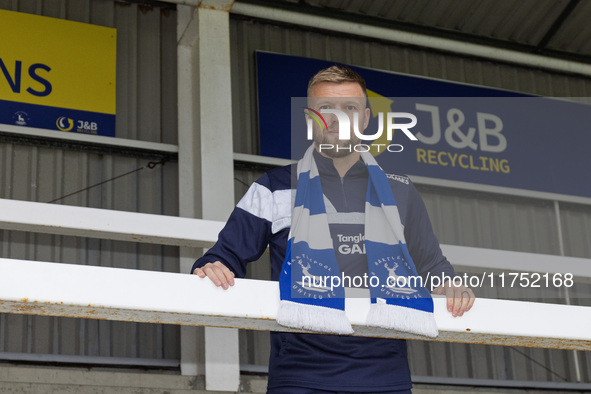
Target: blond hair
x=336, y=74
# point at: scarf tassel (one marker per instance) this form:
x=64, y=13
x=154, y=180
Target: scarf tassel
x=313, y=318
x=400, y=318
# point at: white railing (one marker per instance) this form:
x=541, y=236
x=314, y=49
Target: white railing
x=53, y=289
x=43, y=288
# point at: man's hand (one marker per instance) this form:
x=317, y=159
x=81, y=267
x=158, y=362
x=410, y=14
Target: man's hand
x=219, y=274
x=459, y=298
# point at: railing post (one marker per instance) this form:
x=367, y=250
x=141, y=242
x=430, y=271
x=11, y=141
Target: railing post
x=206, y=174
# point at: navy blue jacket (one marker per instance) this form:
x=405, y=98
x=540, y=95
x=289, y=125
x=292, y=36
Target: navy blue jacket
x=263, y=217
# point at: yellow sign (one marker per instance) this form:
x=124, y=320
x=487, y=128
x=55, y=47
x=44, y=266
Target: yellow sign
x=57, y=63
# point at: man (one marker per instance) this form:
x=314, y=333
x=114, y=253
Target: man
x=320, y=363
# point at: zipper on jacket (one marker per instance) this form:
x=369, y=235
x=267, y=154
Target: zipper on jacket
x=344, y=194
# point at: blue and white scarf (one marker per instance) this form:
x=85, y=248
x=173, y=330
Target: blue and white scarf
x=307, y=300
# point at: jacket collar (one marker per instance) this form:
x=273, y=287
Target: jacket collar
x=327, y=168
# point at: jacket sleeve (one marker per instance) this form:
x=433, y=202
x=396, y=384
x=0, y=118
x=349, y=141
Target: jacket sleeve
x=422, y=243
x=247, y=232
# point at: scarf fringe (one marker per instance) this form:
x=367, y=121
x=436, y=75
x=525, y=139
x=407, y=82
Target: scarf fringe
x=404, y=319
x=313, y=318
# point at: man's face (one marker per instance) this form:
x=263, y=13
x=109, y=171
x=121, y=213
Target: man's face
x=347, y=97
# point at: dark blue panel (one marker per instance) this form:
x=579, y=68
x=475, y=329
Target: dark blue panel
x=53, y=118
x=542, y=144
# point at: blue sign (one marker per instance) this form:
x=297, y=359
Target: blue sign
x=464, y=132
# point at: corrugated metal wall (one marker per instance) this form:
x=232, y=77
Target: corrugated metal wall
x=459, y=217
x=146, y=110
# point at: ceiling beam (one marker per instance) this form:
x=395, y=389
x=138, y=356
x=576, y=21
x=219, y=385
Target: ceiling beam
x=517, y=55
x=558, y=23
